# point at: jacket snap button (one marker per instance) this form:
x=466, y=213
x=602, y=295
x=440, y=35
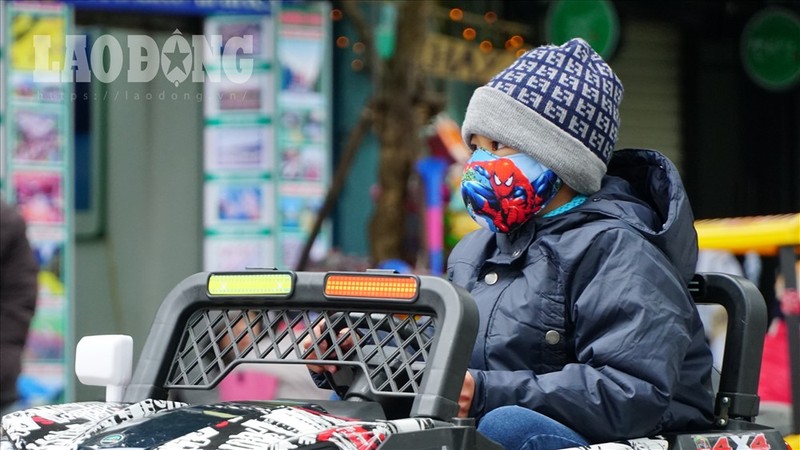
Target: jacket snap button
x=490, y=278
x=552, y=337
x=516, y=253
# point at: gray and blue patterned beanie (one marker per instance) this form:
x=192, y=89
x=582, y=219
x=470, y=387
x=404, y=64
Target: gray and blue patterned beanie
x=559, y=104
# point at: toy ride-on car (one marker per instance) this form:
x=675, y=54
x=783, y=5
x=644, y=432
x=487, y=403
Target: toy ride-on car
x=402, y=343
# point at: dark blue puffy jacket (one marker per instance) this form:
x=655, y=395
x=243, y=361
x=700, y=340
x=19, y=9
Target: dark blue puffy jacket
x=586, y=317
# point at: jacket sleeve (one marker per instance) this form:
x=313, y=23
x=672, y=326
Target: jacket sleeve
x=18, y=292
x=632, y=318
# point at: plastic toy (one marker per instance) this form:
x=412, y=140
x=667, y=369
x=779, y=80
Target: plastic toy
x=432, y=170
x=400, y=379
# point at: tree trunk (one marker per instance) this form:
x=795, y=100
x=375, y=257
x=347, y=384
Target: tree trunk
x=399, y=115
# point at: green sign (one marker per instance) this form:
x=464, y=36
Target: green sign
x=595, y=21
x=771, y=48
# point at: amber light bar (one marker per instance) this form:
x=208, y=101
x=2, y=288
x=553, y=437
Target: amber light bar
x=390, y=287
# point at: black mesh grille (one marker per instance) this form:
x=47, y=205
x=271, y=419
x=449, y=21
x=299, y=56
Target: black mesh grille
x=394, y=348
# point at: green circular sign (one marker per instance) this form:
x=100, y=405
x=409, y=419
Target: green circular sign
x=593, y=20
x=771, y=48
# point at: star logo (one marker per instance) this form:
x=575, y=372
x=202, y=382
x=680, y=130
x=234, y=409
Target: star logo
x=176, y=62
x=176, y=59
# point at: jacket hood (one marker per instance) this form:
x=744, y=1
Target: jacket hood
x=643, y=189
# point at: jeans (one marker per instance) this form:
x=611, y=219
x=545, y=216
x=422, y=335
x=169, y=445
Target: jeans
x=517, y=428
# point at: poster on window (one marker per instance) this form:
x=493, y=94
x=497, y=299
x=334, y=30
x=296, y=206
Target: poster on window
x=302, y=55
x=239, y=204
x=255, y=30
x=267, y=139
x=38, y=135
x=39, y=196
x=35, y=170
x=303, y=132
x=255, y=95
x=231, y=253
x=239, y=148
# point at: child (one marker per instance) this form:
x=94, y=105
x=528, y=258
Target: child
x=588, y=332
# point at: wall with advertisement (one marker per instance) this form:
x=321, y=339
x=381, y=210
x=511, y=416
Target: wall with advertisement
x=265, y=148
x=267, y=140
x=35, y=174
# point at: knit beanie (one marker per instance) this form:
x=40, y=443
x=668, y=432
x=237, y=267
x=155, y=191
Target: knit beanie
x=559, y=104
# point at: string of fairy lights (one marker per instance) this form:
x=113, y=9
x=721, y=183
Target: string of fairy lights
x=487, y=31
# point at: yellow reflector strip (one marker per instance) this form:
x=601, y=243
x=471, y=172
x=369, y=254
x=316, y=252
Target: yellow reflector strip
x=250, y=284
x=371, y=286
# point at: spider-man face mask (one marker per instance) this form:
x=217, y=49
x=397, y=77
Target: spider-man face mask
x=502, y=193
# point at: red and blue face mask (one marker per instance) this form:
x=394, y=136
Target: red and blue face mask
x=503, y=192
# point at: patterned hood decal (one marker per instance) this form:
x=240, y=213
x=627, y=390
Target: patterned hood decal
x=155, y=424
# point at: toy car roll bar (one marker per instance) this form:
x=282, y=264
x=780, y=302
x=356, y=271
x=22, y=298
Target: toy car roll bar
x=193, y=343
x=411, y=335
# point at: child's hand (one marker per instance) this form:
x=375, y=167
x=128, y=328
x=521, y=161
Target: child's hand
x=465, y=398
x=323, y=345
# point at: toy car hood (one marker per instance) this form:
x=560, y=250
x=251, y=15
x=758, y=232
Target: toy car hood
x=154, y=424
